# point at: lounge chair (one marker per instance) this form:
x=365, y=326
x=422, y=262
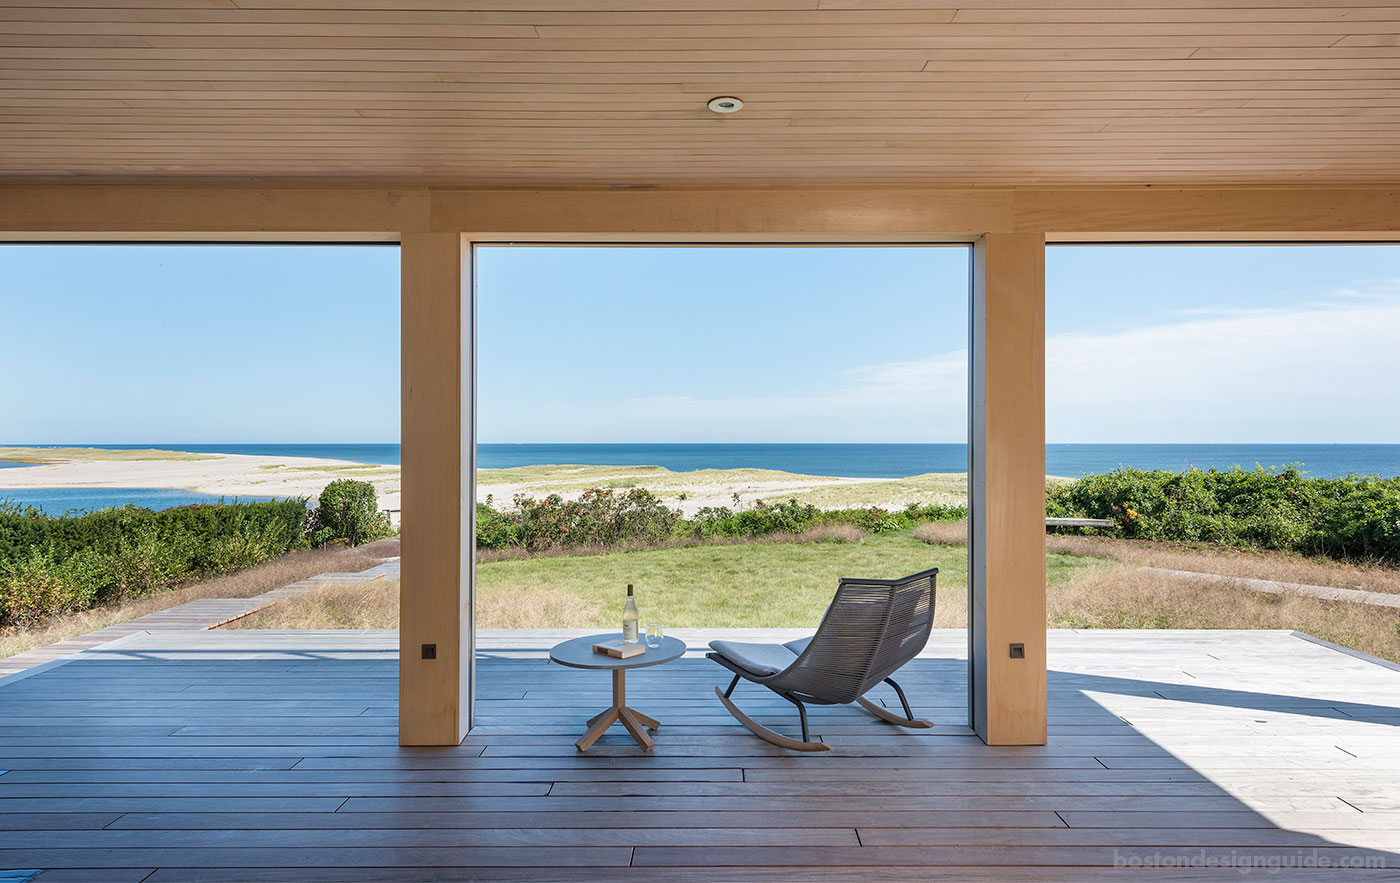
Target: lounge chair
x=872, y=628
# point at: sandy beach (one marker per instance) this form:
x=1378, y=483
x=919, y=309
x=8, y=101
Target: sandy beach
x=233, y=475
x=228, y=475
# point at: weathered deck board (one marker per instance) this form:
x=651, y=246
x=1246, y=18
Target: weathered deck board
x=271, y=755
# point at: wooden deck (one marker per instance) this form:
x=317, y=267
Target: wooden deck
x=250, y=756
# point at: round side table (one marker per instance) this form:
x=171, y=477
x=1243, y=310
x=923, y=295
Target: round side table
x=578, y=653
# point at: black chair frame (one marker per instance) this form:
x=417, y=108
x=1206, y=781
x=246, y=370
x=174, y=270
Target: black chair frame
x=871, y=629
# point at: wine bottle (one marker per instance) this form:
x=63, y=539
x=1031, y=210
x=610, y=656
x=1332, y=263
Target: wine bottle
x=629, y=618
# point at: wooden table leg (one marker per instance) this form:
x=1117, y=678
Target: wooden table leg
x=609, y=718
x=634, y=726
x=636, y=723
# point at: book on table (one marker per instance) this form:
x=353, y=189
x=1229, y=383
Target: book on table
x=620, y=649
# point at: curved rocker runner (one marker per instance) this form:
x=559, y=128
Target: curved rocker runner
x=872, y=628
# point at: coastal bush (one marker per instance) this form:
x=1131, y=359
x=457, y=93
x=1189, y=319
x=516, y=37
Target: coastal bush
x=1350, y=517
x=606, y=518
x=762, y=519
x=495, y=530
x=348, y=510
x=599, y=517
x=51, y=565
x=35, y=587
x=794, y=517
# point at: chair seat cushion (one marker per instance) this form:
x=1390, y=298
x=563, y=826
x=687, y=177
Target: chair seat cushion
x=799, y=645
x=758, y=659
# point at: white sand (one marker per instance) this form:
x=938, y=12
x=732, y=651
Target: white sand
x=701, y=489
x=228, y=475
x=232, y=475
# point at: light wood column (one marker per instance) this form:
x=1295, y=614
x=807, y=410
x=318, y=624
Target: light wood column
x=438, y=414
x=1008, y=488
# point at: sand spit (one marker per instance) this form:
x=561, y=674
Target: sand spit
x=232, y=475
x=227, y=475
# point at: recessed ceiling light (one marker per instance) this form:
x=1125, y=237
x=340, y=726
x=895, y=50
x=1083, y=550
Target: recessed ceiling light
x=725, y=104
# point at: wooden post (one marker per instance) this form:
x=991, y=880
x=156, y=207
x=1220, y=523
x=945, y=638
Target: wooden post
x=1007, y=490
x=438, y=414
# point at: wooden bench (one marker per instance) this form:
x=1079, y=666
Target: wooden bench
x=1079, y=522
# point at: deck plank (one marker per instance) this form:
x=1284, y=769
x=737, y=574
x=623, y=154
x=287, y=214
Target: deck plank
x=271, y=755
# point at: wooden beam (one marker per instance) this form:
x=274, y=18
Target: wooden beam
x=1008, y=489
x=438, y=414
x=1297, y=215
x=210, y=211
x=810, y=216
x=302, y=211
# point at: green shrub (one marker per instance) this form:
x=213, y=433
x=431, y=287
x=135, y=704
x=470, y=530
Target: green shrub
x=247, y=546
x=35, y=587
x=917, y=513
x=1350, y=517
x=764, y=518
x=54, y=565
x=495, y=530
x=1360, y=518
x=106, y=530
x=599, y=517
x=604, y=517
x=145, y=561
x=348, y=510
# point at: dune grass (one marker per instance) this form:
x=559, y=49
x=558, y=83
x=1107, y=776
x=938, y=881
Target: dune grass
x=367, y=605
x=570, y=480
x=949, y=489
x=565, y=472
x=351, y=470
x=1124, y=597
x=57, y=455
x=1230, y=561
x=823, y=491
x=242, y=584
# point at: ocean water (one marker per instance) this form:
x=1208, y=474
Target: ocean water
x=1318, y=461
x=57, y=501
x=853, y=460
x=898, y=461
x=377, y=454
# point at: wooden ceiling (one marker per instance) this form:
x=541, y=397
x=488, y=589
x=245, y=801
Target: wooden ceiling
x=613, y=92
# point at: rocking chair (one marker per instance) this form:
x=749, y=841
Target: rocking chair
x=872, y=628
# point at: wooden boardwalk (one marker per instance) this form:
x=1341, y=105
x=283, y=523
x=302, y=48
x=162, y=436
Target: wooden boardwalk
x=252, y=756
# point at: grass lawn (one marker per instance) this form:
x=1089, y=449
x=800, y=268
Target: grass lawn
x=1093, y=583
x=757, y=585
x=753, y=585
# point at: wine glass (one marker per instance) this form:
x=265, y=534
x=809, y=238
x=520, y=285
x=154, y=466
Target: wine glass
x=654, y=635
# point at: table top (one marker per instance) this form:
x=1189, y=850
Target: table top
x=578, y=653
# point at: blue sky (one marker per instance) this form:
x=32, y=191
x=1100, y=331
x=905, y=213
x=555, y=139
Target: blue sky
x=131, y=344
x=300, y=344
